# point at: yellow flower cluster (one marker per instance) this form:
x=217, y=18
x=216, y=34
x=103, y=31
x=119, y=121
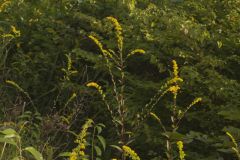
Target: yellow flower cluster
x=118, y=30
x=99, y=44
x=16, y=32
x=73, y=156
x=175, y=80
x=180, y=148
x=130, y=153
x=136, y=51
x=175, y=69
x=81, y=141
x=98, y=87
x=174, y=89
x=4, y=5
x=195, y=101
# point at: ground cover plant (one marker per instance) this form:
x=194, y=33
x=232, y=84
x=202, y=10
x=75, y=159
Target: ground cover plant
x=119, y=79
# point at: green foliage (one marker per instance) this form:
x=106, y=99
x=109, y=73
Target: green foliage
x=46, y=52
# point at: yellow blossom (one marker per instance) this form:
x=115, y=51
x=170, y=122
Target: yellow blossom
x=98, y=87
x=136, y=51
x=180, y=149
x=174, y=89
x=15, y=31
x=118, y=31
x=73, y=156
x=81, y=141
x=100, y=46
x=195, y=101
x=130, y=153
x=175, y=68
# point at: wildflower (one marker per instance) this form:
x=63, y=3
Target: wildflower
x=15, y=31
x=118, y=30
x=136, y=51
x=175, y=69
x=195, y=101
x=175, y=80
x=81, y=141
x=73, y=156
x=174, y=89
x=99, y=44
x=98, y=87
x=180, y=148
x=130, y=153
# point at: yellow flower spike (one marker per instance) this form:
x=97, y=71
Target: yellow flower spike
x=98, y=87
x=118, y=30
x=195, y=101
x=136, y=51
x=180, y=149
x=174, y=80
x=130, y=153
x=81, y=141
x=175, y=69
x=100, y=46
x=73, y=156
x=174, y=89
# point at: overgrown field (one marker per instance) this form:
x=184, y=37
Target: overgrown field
x=119, y=80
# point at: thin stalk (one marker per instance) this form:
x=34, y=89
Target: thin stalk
x=4, y=146
x=92, y=154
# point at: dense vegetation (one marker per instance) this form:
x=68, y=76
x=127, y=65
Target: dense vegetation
x=120, y=79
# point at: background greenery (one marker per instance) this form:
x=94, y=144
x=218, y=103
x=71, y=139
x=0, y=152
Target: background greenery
x=202, y=36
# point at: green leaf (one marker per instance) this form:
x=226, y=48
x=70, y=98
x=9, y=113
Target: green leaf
x=102, y=140
x=64, y=154
x=116, y=147
x=37, y=155
x=9, y=131
x=8, y=140
x=98, y=150
x=99, y=129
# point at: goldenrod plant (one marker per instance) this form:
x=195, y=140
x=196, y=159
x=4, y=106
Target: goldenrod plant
x=172, y=86
x=89, y=143
x=116, y=60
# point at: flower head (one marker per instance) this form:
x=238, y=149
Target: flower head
x=100, y=46
x=118, y=31
x=175, y=69
x=180, y=149
x=130, y=153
